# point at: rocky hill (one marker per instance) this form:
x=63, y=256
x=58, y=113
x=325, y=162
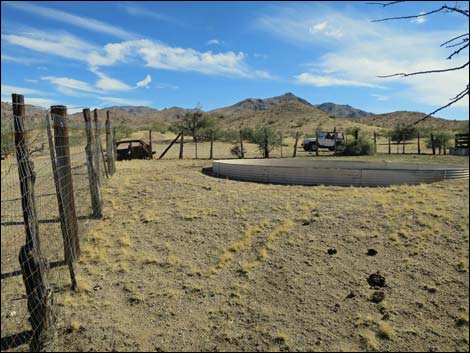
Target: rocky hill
x=342, y=111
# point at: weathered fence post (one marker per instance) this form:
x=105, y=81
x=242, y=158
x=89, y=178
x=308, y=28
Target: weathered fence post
x=114, y=149
x=171, y=144
x=375, y=142
x=64, y=173
x=297, y=135
x=419, y=143
x=336, y=138
x=389, y=145
x=212, y=145
x=97, y=144
x=32, y=265
x=242, y=152
x=181, y=146
x=316, y=135
x=109, y=146
x=266, y=147
x=403, y=151
x=433, y=146
x=356, y=134
x=280, y=137
x=444, y=146
x=150, y=143
x=96, y=204
x=60, y=203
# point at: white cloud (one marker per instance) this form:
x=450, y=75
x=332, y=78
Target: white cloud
x=31, y=80
x=19, y=59
x=60, y=44
x=133, y=10
x=41, y=102
x=367, y=50
x=8, y=90
x=67, y=85
x=326, y=29
x=325, y=81
x=380, y=97
x=154, y=54
x=123, y=101
x=145, y=82
x=61, y=16
x=107, y=83
x=419, y=20
x=213, y=42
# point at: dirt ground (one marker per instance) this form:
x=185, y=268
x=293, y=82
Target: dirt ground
x=184, y=261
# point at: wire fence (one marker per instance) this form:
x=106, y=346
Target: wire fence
x=51, y=172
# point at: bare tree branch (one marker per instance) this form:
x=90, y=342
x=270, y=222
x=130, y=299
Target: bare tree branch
x=457, y=98
x=451, y=40
x=457, y=51
x=464, y=43
x=384, y=4
x=402, y=74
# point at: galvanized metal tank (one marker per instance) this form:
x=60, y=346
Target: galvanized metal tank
x=335, y=172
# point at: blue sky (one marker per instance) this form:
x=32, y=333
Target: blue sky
x=163, y=54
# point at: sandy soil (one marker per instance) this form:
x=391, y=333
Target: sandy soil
x=185, y=261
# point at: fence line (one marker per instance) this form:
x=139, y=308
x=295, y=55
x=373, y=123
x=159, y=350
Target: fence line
x=50, y=180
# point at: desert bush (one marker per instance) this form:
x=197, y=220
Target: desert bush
x=404, y=132
x=266, y=138
x=359, y=147
x=7, y=138
x=159, y=126
x=353, y=131
x=441, y=140
x=123, y=131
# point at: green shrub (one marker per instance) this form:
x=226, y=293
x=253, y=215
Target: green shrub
x=159, y=126
x=359, y=147
x=441, y=140
x=404, y=132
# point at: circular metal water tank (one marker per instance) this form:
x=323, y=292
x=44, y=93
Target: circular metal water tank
x=335, y=172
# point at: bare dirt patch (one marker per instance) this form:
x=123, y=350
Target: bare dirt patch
x=183, y=261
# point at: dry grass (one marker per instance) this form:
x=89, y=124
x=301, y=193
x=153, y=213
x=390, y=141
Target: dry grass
x=236, y=266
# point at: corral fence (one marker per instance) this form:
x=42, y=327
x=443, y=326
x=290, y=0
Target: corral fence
x=52, y=170
x=210, y=148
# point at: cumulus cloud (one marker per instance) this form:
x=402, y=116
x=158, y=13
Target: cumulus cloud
x=145, y=82
x=213, y=42
x=325, y=81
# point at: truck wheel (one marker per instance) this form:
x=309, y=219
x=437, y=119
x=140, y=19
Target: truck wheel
x=313, y=147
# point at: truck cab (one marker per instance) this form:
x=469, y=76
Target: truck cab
x=326, y=139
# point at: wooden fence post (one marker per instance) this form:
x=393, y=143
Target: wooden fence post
x=335, y=142
x=280, y=137
x=95, y=194
x=150, y=143
x=242, y=152
x=64, y=173
x=212, y=145
x=181, y=146
x=433, y=146
x=266, y=147
x=109, y=146
x=171, y=144
x=97, y=144
x=60, y=203
x=113, y=139
x=375, y=142
x=32, y=265
x=316, y=135
x=389, y=145
x=403, y=151
x=297, y=135
x=419, y=143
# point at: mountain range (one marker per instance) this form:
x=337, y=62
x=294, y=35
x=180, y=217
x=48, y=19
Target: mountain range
x=284, y=112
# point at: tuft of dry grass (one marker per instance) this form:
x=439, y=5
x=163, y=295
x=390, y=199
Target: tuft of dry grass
x=370, y=340
x=385, y=330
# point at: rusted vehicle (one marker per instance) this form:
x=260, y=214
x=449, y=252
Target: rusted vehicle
x=133, y=149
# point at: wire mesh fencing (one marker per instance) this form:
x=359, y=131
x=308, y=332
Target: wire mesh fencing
x=51, y=172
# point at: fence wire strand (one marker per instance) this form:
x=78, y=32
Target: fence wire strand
x=16, y=307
